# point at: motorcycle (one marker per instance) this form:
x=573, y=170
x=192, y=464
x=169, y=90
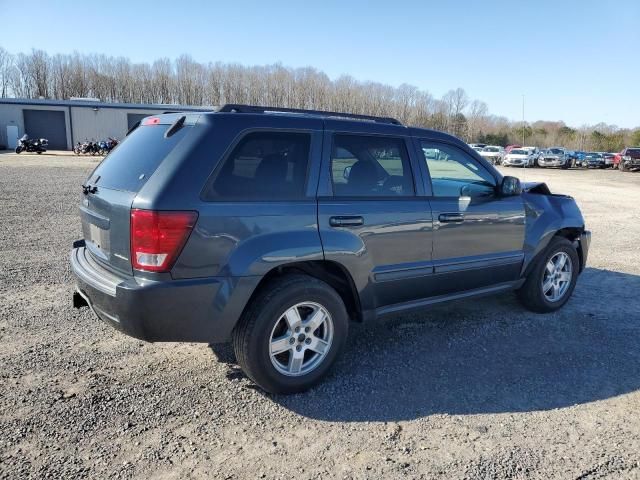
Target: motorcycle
x=86, y=148
x=105, y=146
x=26, y=144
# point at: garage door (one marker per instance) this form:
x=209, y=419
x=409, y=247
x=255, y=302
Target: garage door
x=47, y=124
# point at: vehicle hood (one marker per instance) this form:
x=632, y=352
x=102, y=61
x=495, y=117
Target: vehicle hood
x=517, y=156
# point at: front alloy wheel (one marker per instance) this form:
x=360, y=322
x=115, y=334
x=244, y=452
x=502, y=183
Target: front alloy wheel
x=557, y=277
x=551, y=278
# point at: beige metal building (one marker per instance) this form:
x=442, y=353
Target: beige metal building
x=66, y=122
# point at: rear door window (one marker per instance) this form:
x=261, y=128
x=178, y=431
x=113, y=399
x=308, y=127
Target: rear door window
x=133, y=161
x=264, y=166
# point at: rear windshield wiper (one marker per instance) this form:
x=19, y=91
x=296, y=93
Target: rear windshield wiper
x=175, y=126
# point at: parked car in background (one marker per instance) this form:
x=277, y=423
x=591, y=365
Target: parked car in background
x=238, y=226
x=493, y=153
x=508, y=148
x=608, y=159
x=518, y=157
x=593, y=160
x=534, y=154
x=629, y=158
x=554, y=157
x=477, y=146
x=578, y=156
x=616, y=159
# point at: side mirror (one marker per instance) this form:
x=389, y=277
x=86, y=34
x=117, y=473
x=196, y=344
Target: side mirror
x=346, y=172
x=510, y=186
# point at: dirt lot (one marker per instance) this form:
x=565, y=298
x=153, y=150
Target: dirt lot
x=475, y=389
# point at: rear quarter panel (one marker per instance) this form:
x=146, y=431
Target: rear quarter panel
x=236, y=238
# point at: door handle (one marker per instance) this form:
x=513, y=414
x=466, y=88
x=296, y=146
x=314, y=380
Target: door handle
x=451, y=217
x=351, y=221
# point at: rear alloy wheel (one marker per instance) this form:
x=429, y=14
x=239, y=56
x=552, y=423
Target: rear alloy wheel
x=552, y=278
x=291, y=334
x=301, y=339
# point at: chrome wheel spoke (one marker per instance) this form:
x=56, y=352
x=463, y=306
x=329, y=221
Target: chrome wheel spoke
x=315, y=321
x=280, y=345
x=292, y=316
x=546, y=286
x=562, y=259
x=319, y=346
x=565, y=277
x=295, y=361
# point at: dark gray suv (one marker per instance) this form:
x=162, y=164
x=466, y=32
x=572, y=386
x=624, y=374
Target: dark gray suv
x=275, y=228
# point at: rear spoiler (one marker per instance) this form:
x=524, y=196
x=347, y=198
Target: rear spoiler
x=175, y=121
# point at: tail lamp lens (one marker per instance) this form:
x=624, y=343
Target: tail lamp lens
x=157, y=238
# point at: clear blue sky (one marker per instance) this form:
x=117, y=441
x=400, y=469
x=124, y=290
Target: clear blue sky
x=577, y=61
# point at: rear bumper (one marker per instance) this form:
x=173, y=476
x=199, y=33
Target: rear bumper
x=194, y=310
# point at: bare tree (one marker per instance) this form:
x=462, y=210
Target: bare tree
x=6, y=65
x=186, y=81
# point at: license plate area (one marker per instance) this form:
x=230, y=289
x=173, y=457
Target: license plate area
x=98, y=237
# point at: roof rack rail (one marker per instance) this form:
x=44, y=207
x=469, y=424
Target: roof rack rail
x=230, y=107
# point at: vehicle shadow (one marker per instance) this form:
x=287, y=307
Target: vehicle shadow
x=485, y=356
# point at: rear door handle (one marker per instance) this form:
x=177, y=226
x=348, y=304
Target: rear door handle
x=451, y=217
x=351, y=221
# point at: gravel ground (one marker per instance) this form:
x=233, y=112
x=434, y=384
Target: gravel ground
x=475, y=389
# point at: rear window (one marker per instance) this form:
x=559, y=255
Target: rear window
x=132, y=162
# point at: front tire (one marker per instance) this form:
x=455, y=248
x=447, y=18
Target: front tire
x=552, y=279
x=291, y=334
x=18, y=150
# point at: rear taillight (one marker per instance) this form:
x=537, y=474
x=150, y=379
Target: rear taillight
x=157, y=238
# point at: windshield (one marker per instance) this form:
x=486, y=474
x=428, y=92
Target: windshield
x=594, y=155
x=555, y=151
x=519, y=152
x=491, y=149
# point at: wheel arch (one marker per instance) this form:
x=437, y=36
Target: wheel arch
x=332, y=273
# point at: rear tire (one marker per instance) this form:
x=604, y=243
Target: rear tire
x=277, y=342
x=537, y=293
